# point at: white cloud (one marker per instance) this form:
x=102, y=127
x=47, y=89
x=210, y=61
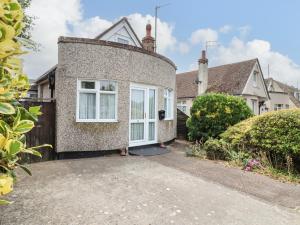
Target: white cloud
x=203, y=35
x=225, y=29
x=244, y=31
x=183, y=48
x=65, y=18
x=281, y=66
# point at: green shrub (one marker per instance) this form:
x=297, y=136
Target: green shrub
x=215, y=149
x=238, y=135
x=212, y=114
x=276, y=135
x=277, y=132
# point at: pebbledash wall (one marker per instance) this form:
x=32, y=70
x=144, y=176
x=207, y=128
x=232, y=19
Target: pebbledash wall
x=81, y=58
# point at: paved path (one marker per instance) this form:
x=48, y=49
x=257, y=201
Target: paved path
x=133, y=190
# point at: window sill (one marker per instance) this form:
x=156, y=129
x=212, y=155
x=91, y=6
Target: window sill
x=169, y=119
x=97, y=121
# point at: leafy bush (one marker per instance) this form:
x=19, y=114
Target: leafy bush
x=215, y=149
x=212, y=114
x=15, y=121
x=275, y=135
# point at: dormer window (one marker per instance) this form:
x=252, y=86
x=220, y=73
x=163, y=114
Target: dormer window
x=123, y=41
x=254, y=78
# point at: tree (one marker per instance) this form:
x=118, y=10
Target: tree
x=28, y=24
x=15, y=120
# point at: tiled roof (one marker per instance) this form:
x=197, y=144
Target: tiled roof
x=287, y=89
x=230, y=78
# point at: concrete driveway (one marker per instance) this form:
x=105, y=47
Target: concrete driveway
x=132, y=190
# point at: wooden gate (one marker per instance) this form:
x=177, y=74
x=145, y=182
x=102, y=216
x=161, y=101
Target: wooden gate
x=182, y=129
x=43, y=132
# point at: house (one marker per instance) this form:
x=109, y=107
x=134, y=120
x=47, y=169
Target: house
x=282, y=96
x=243, y=79
x=33, y=91
x=111, y=92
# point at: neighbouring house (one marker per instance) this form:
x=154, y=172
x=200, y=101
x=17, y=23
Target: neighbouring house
x=282, y=96
x=33, y=91
x=111, y=92
x=243, y=79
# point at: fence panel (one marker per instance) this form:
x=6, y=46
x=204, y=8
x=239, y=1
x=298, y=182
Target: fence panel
x=43, y=132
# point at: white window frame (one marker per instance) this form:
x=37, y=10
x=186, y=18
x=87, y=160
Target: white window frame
x=181, y=104
x=97, y=91
x=254, y=78
x=169, y=96
x=123, y=41
x=278, y=107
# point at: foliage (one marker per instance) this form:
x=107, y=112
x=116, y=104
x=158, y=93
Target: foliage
x=273, y=136
x=212, y=114
x=15, y=121
x=215, y=149
x=28, y=23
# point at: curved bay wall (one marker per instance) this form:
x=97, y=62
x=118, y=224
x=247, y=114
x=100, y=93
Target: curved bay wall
x=93, y=59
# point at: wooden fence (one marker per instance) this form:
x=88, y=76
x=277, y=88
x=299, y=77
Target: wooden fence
x=43, y=132
x=182, y=130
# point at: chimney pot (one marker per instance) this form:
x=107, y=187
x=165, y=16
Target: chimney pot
x=203, y=59
x=148, y=41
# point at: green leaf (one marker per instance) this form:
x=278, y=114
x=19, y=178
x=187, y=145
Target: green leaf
x=4, y=202
x=26, y=170
x=35, y=110
x=24, y=126
x=14, y=6
x=33, y=152
x=42, y=146
x=14, y=147
x=6, y=108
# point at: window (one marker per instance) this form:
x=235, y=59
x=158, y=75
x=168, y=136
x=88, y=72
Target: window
x=123, y=41
x=181, y=105
x=287, y=106
x=278, y=107
x=255, y=74
x=97, y=101
x=168, y=103
x=254, y=105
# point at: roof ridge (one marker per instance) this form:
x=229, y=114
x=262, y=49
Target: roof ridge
x=255, y=59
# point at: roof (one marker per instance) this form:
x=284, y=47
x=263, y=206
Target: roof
x=45, y=75
x=124, y=19
x=287, y=89
x=229, y=78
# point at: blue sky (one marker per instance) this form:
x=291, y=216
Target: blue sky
x=244, y=29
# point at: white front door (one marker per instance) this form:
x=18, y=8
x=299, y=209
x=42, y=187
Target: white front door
x=142, y=122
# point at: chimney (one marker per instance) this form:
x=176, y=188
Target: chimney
x=202, y=74
x=148, y=41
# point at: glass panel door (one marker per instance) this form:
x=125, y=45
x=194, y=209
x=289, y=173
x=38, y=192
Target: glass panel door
x=137, y=117
x=142, y=126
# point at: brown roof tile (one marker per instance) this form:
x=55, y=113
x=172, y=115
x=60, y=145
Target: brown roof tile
x=230, y=78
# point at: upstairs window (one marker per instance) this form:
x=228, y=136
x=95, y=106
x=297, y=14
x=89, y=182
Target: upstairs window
x=97, y=101
x=123, y=41
x=254, y=78
x=168, y=103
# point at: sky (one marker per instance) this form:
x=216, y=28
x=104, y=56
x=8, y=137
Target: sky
x=263, y=29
